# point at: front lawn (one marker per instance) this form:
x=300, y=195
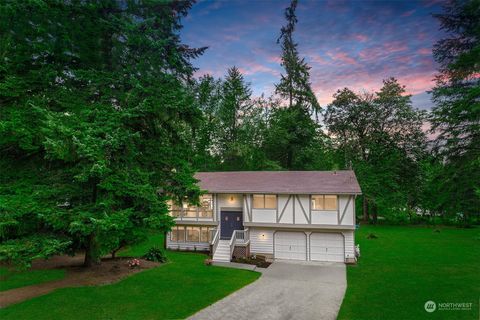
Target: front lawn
x=407, y=266
x=11, y=279
x=175, y=290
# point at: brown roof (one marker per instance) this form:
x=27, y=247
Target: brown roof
x=295, y=182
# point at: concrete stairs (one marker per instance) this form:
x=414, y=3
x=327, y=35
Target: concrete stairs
x=222, y=253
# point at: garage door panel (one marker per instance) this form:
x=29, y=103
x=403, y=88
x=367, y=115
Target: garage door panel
x=290, y=245
x=327, y=247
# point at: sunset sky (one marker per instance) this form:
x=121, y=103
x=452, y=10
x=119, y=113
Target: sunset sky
x=351, y=44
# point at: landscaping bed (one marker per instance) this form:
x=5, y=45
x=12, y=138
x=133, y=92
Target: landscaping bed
x=258, y=261
x=75, y=275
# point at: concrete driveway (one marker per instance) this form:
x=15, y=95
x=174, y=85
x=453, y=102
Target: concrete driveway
x=286, y=290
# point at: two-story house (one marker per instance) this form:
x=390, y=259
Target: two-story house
x=298, y=215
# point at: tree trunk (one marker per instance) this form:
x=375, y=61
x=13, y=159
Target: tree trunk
x=165, y=234
x=374, y=213
x=365, y=209
x=92, y=251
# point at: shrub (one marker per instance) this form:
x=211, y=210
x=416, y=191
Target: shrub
x=155, y=254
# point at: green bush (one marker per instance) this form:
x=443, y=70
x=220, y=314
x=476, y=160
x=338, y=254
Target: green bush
x=155, y=254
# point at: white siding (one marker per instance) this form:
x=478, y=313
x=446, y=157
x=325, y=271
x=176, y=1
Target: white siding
x=264, y=215
x=301, y=205
x=297, y=210
x=348, y=218
x=261, y=241
x=349, y=244
x=225, y=201
x=287, y=216
x=324, y=217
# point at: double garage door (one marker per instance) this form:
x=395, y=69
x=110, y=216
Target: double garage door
x=323, y=246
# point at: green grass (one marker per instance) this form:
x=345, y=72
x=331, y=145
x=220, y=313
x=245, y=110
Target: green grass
x=174, y=290
x=407, y=266
x=154, y=239
x=11, y=279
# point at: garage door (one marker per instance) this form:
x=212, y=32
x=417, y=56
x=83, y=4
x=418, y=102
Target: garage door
x=327, y=247
x=290, y=245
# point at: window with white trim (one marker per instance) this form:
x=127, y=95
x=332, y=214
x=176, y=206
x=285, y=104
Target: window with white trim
x=324, y=202
x=264, y=201
x=190, y=234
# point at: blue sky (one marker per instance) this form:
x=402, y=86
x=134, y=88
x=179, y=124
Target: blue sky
x=351, y=44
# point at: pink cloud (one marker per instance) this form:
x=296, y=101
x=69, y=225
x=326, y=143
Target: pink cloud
x=360, y=37
x=404, y=59
x=425, y=51
x=418, y=83
x=342, y=56
x=251, y=68
x=274, y=59
x=422, y=36
x=317, y=59
x=395, y=46
x=408, y=13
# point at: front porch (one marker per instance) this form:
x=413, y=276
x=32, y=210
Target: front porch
x=224, y=249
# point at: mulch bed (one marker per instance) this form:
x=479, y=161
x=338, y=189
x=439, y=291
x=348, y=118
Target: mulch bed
x=109, y=271
x=258, y=261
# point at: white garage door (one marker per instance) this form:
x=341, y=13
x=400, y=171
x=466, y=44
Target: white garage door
x=327, y=247
x=291, y=245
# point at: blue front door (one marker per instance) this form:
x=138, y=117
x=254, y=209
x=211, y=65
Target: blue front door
x=230, y=221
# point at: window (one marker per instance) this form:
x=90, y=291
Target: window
x=189, y=210
x=193, y=234
x=206, y=206
x=330, y=202
x=264, y=201
x=177, y=234
x=270, y=201
x=324, y=202
x=258, y=201
x=205, y=210
x=190, y=234
x=205, y=234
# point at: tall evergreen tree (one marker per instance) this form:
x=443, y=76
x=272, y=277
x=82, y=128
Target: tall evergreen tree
x=456, y=115
x=234, y=108
x=94, y=110
x=294, y=85
x=205, y=139
x=294, y=140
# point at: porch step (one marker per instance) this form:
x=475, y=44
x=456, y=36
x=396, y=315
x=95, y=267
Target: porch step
x=222, y=253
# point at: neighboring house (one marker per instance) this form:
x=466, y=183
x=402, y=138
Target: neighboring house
x=297, y=215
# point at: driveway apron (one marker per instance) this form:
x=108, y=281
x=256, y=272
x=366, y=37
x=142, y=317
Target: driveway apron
x=286, y=290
